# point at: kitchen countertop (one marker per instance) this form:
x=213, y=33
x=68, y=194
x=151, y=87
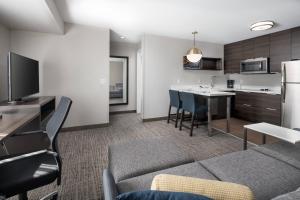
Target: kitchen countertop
x=209, y=93
x=273, y=92
x=206, y=89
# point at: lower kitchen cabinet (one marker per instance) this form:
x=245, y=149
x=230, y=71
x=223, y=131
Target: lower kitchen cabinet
x=258, y=107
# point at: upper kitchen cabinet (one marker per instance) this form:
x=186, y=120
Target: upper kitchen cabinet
x=280, y=49
x=296, y=43
x=262, y=46
x=256, y=47
x=248, y=49
x=232, y=57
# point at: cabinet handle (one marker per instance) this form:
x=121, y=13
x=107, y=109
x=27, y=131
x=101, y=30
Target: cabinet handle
x=248, y=105
x=273, y=109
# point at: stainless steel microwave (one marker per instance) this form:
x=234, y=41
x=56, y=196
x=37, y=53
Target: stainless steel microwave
x=255, y=66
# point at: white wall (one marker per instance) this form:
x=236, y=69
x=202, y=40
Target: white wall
x=163, y=67
x=76, y=65
x=4, y=49
x=130, y=50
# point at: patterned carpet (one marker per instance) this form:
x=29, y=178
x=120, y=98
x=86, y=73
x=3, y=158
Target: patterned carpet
x=85, y=152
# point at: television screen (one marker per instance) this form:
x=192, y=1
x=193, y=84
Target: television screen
x=23, y=76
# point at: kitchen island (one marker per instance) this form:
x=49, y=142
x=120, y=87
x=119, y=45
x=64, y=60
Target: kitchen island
x=209, y=95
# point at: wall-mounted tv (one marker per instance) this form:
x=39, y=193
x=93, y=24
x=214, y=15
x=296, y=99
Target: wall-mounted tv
x=203, y=64
x=23, y=77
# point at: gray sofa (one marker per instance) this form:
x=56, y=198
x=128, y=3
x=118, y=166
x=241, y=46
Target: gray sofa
x=269, y=170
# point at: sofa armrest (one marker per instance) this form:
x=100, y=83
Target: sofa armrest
x=109, y=186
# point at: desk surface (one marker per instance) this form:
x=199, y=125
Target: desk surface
x=31, y=102
x=286, y=134
x=15, y=119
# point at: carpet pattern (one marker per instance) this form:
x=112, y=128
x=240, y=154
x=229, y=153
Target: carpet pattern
x=84, y=152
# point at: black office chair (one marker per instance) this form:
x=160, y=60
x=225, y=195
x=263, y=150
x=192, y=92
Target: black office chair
x=26, y=172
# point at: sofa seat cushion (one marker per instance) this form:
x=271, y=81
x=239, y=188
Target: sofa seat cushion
x=217, y=190
x=144, y=182
x=286, y=149
x=144, y=156
x=266, y=176
x=289, y=196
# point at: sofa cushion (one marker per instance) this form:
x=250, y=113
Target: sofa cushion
x=284, y=148
x=217, y=190
x=160, y=195
x=289, y=196
x=143, y=156
x=266, y=176
x=144, y=182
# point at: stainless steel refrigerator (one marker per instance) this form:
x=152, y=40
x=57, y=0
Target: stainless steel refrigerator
x=290, y=94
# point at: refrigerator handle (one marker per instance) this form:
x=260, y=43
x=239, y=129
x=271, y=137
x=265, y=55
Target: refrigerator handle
x=283, y=83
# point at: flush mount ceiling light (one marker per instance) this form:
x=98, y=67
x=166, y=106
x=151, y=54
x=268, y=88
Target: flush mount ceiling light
x=262, y=25
x=194, y=54
x=123, y=37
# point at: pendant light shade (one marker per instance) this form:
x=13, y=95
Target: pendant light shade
x=194, y=54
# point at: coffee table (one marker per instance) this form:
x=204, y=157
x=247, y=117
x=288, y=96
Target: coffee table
x=285, y=134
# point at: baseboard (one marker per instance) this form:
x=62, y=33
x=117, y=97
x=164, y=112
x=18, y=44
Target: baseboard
x=122, y=112
x=155, y=119
x=85, y=127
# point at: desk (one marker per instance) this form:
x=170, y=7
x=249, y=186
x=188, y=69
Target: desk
x=209, y=95
x=16, y=121
x=25, y=116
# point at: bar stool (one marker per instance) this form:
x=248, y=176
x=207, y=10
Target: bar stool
x=176, y=103
x=191, y=103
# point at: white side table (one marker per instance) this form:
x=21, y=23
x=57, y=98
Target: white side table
x=285, y=134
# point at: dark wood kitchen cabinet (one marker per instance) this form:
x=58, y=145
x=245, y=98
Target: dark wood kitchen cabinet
x=258, y=107
x=232, y=57
x=280, y=49
x=296, y=43
x=262, y=46
x=248, y=49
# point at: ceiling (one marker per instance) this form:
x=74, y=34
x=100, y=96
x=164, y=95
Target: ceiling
x=217, y=21
x=31, y=15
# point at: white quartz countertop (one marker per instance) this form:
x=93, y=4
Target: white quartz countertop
x=274, y=92
x=205, y=92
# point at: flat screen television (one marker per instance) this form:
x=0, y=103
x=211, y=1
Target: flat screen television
x=23, y=77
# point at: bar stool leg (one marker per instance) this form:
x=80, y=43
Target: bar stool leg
x=177, y=116
x=168, y=121
x=181, y=119
x=192, y=126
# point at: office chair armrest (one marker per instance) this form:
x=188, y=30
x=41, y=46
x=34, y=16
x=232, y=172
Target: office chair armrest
x=28, y=133
x=12, y=159
x=109, y=186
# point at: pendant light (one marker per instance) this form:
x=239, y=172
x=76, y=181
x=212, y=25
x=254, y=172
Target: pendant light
x=194, y=54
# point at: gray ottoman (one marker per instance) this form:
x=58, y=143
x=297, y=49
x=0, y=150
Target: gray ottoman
x=135, y=158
